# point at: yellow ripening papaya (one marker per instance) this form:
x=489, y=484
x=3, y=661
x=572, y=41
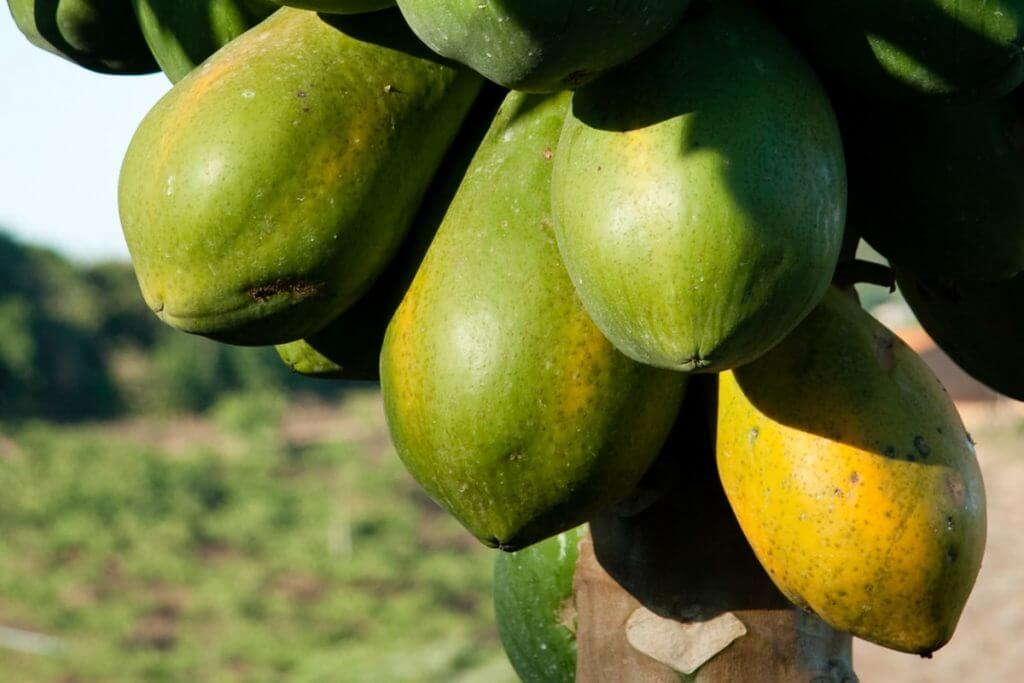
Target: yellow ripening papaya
x=266, y=192
x=503, y=399
x=854, y=479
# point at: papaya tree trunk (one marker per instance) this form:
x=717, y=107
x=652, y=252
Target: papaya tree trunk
x=620, y=639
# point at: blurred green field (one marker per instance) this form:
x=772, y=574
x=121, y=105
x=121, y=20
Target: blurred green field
x=272, y=541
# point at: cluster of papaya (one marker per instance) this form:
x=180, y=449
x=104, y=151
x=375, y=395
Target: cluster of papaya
x=534, y=277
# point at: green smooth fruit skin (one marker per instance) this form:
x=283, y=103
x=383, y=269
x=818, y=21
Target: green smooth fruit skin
x=349, y=347
x=700, y=196
x=99, y=35
x=938, y=189
x=964, y=50
x=183, y=33
x=265, y=193
x=977, y=324
x=503, y=399
x=541, y=46
x=339, y=6
x=534, y=608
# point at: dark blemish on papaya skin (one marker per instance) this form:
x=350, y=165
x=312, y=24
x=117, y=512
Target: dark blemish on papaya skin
x=951, y=554
x=922, y=446
x=889, y=452
x=884, y=345
x=955, y=487
x=854, y=478
x=577, y=78
x=549, y=154
x=301, y=94
x=298, y=289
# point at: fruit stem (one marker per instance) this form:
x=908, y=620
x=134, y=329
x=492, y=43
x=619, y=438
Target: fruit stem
x=856, y=271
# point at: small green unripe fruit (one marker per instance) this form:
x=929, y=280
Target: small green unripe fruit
x=966, y=50
x=533, y=605
x=339, y=6
x=183, y=33
x=100, y=35
x=541, y=46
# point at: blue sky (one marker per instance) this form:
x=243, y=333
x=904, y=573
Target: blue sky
x=63, y=133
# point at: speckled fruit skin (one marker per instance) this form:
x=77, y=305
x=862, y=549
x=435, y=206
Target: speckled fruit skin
x=339, y=6
x=977, y=323
x=99, y=35
x=183, y=33
x=503, y=399
x=533, y=606
x=268, y=189
x=700, y=195
x=854, y=480
x=349, y=347
x=903, y=49
x=938, y=189
x=541, y=46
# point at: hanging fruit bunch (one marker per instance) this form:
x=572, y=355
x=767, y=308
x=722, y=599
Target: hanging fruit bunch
x=600, y=258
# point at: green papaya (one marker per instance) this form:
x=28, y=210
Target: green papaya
x=541, y=46
x=905, y=49
x=100, y=35
x=183, y=33
x=265, y=193
x=938, y=189
x=976, y=323
x=854, y=479
x=700, y=195
x=503, y=399
x=349, y=347
x=533, y=607
x=339, y=6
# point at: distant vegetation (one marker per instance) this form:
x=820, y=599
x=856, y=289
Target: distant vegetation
x=211, y=551
x=79, y=343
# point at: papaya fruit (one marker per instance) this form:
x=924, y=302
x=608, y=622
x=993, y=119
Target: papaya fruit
x=269, y=188
x=541, y=46
x=183, y=33
x=937, y=189
x=339, y=6
x=958, y=50
x=683, y=556
x=99, y=35
x=503, y=399
x=975, y=323
x=854, y=479
x=349, y=347
x=534, y=610
x=700, y=195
